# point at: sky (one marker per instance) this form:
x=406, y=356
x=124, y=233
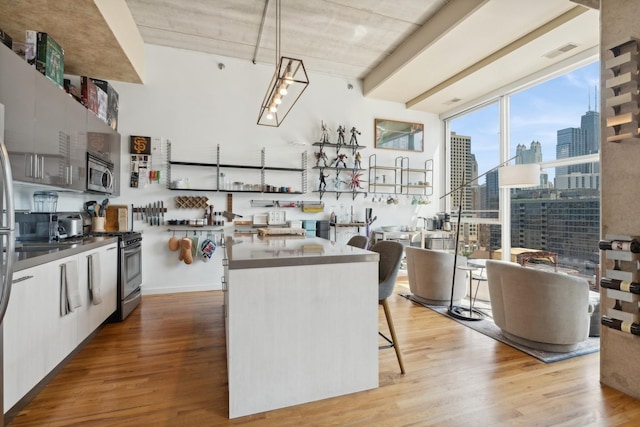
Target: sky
x=537, y=114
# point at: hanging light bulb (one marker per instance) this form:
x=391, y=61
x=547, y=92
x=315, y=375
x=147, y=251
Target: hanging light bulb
x=277, y=100
x=283, y=89
x=269, y=116
x=288, y=78
x=273, y=108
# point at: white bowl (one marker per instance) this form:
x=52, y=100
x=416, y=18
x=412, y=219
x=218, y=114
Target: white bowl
x=388, y=228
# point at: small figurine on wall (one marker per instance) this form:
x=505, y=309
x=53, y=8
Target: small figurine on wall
x=354, y=138
x=325, y=132
x=321, y=156
x=337, y=183
x=323, y=183
x=357, y=161
x=355, y=181
x=341, y=131
x=340, y=159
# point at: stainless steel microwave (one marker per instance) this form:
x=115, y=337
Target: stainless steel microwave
x=99, y=174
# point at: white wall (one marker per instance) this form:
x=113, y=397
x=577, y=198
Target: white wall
x=190, y=101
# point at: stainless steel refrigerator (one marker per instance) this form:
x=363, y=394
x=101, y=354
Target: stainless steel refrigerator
x=7, y=236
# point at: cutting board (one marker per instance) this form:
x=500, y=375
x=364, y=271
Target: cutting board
x=111, y=217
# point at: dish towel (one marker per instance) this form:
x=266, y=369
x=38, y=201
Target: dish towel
x=69, y=288
x=94, y=279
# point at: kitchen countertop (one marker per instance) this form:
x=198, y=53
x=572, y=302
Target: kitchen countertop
x=279, y=251
x=31, y=258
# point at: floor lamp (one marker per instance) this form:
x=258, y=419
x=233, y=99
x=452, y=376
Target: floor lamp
x=509, y=176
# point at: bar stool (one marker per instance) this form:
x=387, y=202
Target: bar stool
x=390, y=256
x=358, y=241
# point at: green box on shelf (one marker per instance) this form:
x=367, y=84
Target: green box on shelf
x=50, y=58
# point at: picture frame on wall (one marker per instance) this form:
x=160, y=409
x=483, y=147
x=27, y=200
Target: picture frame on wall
x=398, y=135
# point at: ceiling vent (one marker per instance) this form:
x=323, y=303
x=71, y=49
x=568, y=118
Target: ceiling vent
x=559, y=51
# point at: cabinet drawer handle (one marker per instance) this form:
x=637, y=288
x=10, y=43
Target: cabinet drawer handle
x=113, y=248
x=21, y=279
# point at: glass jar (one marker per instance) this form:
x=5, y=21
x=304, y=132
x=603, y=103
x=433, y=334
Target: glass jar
x=45, y=201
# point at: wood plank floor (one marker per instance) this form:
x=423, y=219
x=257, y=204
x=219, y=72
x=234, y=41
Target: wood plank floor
x=166, y=366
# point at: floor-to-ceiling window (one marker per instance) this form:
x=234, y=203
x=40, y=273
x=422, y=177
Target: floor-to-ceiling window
x=474, y=150
x=555, y=123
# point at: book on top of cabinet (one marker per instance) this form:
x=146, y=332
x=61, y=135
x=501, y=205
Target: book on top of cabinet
x=112, y=102
x=6, y=39
x=50, y=58
x=89, y=94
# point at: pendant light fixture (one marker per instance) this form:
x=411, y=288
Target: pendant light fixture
x=287, y=84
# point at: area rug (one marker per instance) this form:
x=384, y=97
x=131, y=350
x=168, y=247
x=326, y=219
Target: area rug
x=488, y=328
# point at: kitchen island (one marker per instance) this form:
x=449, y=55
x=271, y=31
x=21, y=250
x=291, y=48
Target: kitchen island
x=301, y=317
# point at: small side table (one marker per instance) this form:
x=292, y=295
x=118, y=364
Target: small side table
x=465, y=313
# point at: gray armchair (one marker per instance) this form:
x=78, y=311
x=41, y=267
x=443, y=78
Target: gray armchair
x=430, y=273
x=540, y=309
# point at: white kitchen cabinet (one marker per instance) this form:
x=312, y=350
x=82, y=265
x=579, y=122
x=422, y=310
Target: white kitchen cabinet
x=36, y=337
x=25, y=331
x=91, y=316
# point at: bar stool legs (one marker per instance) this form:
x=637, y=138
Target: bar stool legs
x=393, y=342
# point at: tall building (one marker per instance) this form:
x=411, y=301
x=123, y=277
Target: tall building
x=580, y=141
x=567, y=141
x=533, y=154
x=462, y=168
x=567, y=223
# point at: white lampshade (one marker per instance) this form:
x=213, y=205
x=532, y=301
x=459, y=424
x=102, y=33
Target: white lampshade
x=518, y=176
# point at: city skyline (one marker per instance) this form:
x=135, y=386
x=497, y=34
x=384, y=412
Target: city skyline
x=537, y=114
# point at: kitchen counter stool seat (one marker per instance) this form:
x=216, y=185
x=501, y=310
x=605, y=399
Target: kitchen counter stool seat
x=390, y=257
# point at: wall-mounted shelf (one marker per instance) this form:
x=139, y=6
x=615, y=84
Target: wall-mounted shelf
x=416, y=181
x=207, y=228
x=402, y=179
x=255, y=188
x=354, y=194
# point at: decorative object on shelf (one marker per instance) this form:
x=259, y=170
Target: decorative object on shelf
x=357, y=161
x=356, y=180
x=354, y=136
x=325, y=132
x=396, y=135
x=321, y=156
x=287, y=84
x=341, y=131
x=621, y=99
x=509, y=176
x=340, y=158
x=323, y=183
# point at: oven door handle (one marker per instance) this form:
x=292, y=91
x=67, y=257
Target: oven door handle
x=131, y=249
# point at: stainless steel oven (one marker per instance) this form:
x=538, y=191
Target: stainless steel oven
x=129, y=272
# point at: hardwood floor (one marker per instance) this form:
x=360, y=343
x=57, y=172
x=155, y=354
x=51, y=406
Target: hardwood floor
x=166, y=366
